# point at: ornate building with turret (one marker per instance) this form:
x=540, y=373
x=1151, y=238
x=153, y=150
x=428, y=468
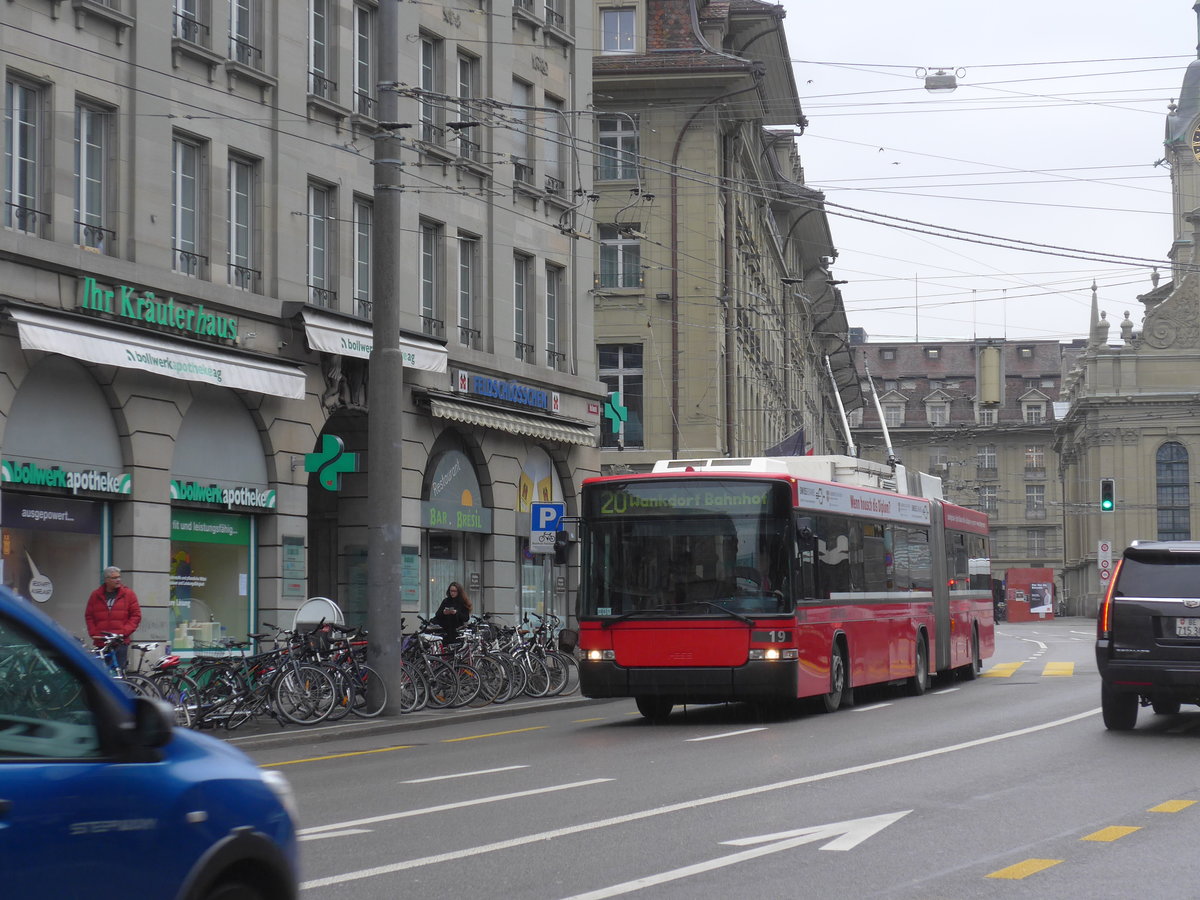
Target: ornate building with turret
x=1134, y=413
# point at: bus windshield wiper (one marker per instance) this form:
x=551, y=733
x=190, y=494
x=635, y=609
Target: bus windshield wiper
x=724, y=609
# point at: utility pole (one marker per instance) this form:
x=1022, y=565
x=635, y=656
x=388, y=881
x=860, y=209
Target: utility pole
x=385, y=433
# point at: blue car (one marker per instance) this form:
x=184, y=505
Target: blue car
x=101, y=796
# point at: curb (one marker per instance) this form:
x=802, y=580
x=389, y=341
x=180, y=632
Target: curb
x=271, y=735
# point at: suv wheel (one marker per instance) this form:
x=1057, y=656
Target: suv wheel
x=1119, y=710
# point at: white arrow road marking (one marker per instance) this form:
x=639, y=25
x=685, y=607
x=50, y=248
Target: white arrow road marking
x=846, y=835
x=849, y=834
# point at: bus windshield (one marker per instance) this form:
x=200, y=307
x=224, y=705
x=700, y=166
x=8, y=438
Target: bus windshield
x=686, y=547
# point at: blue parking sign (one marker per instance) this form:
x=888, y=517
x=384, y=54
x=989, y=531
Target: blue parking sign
x=547, y=516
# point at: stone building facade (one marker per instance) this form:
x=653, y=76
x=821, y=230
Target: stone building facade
x=714, y=302
x=186, y=246
x=981, y=415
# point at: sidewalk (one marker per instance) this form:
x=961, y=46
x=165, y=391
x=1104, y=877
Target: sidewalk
x=266, y=732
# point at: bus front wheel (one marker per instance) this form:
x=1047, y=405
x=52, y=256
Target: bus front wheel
x=656, y=709
x=838, y=688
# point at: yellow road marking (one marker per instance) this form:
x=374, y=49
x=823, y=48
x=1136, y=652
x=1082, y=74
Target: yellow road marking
x=1111, y=833
x=292, y=762
x=592, y=719
x=1173, y=806
x=1059, y=668
x=1003, y=670
x=1025, y=869
x=476, y=737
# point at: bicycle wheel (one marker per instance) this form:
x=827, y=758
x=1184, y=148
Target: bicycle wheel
x=491, y=680
x=181, y=692
x=537, y=677
x=220, y=688
x=516, y=678
x=343, y=682
x=443, y=683
x=558, y=672
x=141, y=686
x=303, y=694
x=468, y=684
x=414, y=691
x=572, y=664
x=369, y=693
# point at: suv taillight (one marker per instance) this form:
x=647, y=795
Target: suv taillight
x=1104, y=620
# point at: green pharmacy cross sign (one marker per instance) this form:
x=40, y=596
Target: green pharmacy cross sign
x=615, y=412
x=331, y=462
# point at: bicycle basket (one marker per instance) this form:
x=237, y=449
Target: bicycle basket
x=319, y=641
x=568, y=640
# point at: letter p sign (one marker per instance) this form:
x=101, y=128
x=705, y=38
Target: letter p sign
x=547, y=516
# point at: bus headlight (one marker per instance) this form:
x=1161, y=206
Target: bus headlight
x=773, y=654
x=600, y=655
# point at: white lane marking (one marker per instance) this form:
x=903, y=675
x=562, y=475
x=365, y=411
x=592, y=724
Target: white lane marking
x=345, y=832
x=846, y=835
x=713, y=737
x=509, y=844
x=463, y=774
x=945, y=691
x=408, y=813
x=873, y=706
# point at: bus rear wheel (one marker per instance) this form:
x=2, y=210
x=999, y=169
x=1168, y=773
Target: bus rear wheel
x=838, y=689
x=656, y=709
x=919, y=683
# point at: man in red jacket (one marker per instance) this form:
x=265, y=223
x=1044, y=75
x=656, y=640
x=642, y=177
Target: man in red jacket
x=113, y=607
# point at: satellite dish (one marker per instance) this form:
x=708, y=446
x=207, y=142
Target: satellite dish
x=315, y=609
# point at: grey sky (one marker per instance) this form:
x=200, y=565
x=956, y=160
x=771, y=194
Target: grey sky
x=1051, y=138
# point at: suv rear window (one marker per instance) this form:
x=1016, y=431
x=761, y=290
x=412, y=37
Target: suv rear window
x=1160, y=575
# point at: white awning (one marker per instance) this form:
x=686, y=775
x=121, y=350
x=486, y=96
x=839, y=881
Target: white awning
x=94, y=342
x=503, y=420
x=330, y=334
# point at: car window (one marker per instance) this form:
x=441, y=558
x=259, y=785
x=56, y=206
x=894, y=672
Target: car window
x=44, y=711
x=1160, y=576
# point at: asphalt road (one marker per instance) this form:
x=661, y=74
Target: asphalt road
x=1007, y=786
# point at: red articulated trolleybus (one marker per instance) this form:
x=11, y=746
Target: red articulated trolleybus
x=766, y=580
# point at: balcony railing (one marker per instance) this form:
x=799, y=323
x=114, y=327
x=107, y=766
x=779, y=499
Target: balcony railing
x=93, y=237
x=469, y=337
x=320, y=86
x=245, y=53
x=1035, y=512
x=190, y=29
x=554, y=185
x=467, y=148
x=320, y=296
x=364, y=104
x=244, y=278
x=555, y=360
x=524, y=351
x=554, y=17
x=1035, y=472
x=522, y=172
x=632, y=279
x=194, y=265
x=432, y=326
x=365, y=308
x=25, y=218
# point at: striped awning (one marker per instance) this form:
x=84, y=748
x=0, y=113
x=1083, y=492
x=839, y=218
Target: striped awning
x=514, y=423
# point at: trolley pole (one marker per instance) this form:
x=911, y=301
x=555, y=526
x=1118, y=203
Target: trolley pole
x=385, y=433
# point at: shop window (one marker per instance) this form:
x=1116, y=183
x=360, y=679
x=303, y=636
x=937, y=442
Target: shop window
x=210, y=578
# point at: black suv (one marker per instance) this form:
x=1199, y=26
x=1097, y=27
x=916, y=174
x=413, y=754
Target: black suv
x=1148, y=632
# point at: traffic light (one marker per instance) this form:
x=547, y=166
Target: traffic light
x=1108, y=494
x=562, y=543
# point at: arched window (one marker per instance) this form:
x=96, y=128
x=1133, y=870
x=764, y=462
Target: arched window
x=1171, y=478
